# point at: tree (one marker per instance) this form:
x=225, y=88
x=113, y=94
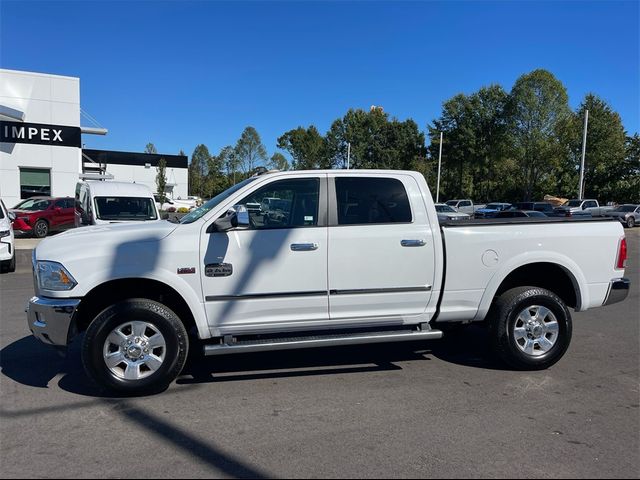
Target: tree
x=306, y=147
x=161, y=179
x=150, y=148
x=537, y=112
x=605, y=166
x=629, y=185
x=474, y=160
x=278, y=162
x=376, y=141
x=198, y=169
x=249, y=151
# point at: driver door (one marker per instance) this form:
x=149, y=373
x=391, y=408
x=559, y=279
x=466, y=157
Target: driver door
x=273, y=274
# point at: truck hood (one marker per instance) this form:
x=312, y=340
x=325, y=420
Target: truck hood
x=88, y=242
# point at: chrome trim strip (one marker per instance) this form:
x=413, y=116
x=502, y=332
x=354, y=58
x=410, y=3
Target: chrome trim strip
x=284, y=344
x=618, y=291
x=360, y=291
x=218, y=298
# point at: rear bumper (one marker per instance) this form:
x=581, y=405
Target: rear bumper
x=618, y=291
x=50, y=320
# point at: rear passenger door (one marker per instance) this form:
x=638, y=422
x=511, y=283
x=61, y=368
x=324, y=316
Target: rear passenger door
x=381, y=252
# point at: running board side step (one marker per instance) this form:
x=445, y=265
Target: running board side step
x=232, y=346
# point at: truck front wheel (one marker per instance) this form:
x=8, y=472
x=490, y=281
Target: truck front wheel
x=136, y=346
x=530, y=328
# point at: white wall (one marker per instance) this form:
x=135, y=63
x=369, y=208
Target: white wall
x=49, y=99
x=147, y=176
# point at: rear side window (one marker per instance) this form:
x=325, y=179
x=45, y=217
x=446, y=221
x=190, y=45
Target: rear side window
x=369, y=200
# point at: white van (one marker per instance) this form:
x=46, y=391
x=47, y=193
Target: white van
x=99, y=202
x=7, y=243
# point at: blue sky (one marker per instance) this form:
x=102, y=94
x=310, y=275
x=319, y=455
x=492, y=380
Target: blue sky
x=182, y=73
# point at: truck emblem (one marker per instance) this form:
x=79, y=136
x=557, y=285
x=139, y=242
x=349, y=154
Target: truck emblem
x=218, y=270
x=186, y=271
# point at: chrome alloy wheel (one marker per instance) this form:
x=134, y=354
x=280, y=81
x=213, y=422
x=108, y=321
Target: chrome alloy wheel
x=134, y=350
x=535, y=330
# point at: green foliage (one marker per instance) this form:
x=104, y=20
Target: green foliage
x=198, y=170
x=376, y=141
x=307, y=148
x=150, y=148
x=161, y=179
x=278, y=162
x=249, y=151
x=537, y=112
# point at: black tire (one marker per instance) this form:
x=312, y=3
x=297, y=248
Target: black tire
x=162, y=319
x=40, y=228
x=503, y=319
x=631, y=222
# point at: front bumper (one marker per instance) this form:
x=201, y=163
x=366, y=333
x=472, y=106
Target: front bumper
x=618, y=291
x=50, y=320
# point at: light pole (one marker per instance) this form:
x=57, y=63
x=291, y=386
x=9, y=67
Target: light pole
x=439, y=164
x=584, y=150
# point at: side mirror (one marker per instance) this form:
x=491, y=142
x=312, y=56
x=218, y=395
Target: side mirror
x=12, y=216
x=237, y=218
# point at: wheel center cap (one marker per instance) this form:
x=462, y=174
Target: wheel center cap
x=538, y=331
x=134, y=351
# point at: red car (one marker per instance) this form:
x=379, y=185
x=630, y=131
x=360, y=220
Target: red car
x=41, y=215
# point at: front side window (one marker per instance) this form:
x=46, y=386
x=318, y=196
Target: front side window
x=589, y=204
x=370, y=200
x=465, y=204
x=284, y=204
x=35, y=182
x=125, y=208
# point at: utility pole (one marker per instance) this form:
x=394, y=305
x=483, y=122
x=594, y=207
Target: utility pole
x=439, y=164
x=584, y=150
x=348, y=154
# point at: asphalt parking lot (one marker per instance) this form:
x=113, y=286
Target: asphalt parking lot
x=436, y=409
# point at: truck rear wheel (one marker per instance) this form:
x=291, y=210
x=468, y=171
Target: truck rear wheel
x=530, y=328
x=136, y=346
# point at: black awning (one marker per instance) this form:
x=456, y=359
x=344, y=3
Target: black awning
x=133, y=158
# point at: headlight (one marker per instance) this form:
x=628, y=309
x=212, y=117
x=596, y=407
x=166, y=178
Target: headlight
x=5, y=233
x=53, y=276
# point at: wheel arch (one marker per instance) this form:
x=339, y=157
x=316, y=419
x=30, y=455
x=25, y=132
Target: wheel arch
x=107, y=293
x=559, y=276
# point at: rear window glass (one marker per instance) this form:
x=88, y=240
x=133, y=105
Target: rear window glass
x=125, y=208
x=370, y=200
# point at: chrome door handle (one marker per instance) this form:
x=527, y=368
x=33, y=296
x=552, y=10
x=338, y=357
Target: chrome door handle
x=304, y=247
x=413, y=243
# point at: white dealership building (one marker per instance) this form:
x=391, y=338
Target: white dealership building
x=41, y=140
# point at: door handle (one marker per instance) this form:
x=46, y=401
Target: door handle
x=413, y=243
x=304, y=247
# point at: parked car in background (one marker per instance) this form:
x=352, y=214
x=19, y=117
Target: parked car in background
x=544, y=207
x=7, y=243
x=38, y=216
x=628, y=214
x=171, y=204
x=519, y=214
x=583, y=207
x=99, y=202
x=447, y=213
x=491, y=210
x=464, y=206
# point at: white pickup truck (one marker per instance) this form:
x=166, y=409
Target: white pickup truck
x=585, y=207
x=356, y=257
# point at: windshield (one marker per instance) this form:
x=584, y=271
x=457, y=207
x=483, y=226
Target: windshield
x=495, y=206
x=211, y=204
x=444, y=209
x=125, y=208
x=573, y=203
x=452, y=203
x=33, y=204
x=625, y=208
